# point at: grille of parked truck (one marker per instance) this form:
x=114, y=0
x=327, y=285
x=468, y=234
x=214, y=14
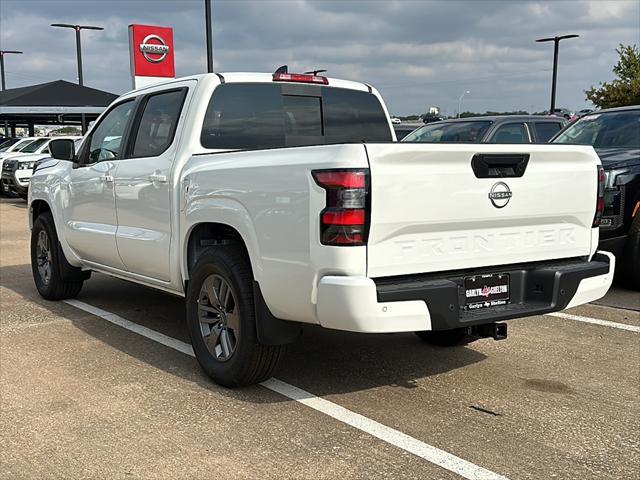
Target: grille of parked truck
x=274, y=201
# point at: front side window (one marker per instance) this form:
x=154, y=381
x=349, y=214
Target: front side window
x=511, y=133
x=106, y=138
x=158, y=123
x=450, y=132
x=546, y=130
x=260, y=115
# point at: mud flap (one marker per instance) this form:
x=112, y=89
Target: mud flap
x=272, y=330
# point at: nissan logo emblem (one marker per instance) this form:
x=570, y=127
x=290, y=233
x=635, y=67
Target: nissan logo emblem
x=155, y=49
x=500, y=195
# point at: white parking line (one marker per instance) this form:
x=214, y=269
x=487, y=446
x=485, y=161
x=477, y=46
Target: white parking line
x=389, y=435
x=596, y=321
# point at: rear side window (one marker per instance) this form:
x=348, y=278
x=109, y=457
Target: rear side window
x=260, y=115
x=158, y=123
x=511, y=133
x=546, y=130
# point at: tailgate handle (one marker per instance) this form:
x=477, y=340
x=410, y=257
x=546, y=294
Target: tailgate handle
x=499, y=165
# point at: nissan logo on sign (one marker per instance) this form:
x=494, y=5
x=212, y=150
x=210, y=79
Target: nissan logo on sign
x=154, y=48
x=152, y=54
x=500, y=195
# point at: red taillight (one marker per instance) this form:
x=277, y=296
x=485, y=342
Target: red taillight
x=345, y=220
x=341, y=178
x=344, y=217
x=300, y=78
x=600, y=200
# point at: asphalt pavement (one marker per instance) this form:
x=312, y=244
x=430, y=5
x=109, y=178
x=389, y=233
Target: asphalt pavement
x=83, y=396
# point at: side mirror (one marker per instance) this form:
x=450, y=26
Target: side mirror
x=62, y=149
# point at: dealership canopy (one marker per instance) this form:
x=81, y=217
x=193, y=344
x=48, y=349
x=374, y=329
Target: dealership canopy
x=52, y=103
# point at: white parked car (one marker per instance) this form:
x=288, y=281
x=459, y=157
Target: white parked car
x=16, y=171
x=275, y=201
x=11, y=149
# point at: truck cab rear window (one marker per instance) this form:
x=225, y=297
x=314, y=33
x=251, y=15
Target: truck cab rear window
x=259, y=115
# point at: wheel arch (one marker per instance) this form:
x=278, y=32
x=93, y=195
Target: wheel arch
x=204, y=235
x=36, y=208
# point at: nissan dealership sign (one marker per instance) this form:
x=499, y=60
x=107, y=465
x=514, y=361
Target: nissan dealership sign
x=152, y=54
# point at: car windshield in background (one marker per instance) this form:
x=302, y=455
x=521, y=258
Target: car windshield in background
x=450, y=132
x=17, y=147
x=33, y=146
x=605, y=130
x=8, y=144
x=252, y=116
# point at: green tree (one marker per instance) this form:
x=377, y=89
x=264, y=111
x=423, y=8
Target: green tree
x=67, y=131
x=625, y=89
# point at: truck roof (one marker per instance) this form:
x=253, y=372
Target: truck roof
x=255, y=77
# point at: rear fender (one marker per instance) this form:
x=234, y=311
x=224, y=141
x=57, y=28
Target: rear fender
x=223, y=211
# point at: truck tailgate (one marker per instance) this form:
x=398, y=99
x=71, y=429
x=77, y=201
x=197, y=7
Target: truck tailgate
x=431, y=212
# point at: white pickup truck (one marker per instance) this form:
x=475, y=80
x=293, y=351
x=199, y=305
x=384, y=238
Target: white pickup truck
x=274, y=201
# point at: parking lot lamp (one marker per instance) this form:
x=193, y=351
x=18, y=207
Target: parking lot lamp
x=2, y=54
x=207, y=16
x=77, y=29
x=556, y=43
x=460, y=101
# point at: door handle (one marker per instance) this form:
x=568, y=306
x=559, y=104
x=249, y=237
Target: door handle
x=156, y=177
x=106, y=178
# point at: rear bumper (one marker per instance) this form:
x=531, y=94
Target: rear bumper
x=433, y=302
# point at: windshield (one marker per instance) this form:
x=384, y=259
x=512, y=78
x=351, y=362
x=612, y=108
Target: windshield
x=33, y=146
x=450, y=132
x=8, y=144
x=605, y=130
x=21, y=144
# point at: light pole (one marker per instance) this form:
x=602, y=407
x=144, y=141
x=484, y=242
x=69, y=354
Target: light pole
x=460, y=101
x=556, y=43
x=77, y=29
x=2, y=54
x=207, y=16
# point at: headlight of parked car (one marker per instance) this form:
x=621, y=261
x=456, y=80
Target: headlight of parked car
x=26, y=165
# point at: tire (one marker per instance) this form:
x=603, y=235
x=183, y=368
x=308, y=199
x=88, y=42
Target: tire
x=446, y=338
x=226, y=344
x=48, y=262
x=631, y=257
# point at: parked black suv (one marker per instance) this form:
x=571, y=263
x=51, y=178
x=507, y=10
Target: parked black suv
x=615, y=135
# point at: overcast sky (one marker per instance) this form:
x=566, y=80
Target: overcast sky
x=417, y=53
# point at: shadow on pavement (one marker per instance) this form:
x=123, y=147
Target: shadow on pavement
x=322, y=361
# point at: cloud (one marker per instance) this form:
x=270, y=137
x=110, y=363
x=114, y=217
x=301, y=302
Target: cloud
x=417, y=53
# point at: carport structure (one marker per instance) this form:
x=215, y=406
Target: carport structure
x=52, y=103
